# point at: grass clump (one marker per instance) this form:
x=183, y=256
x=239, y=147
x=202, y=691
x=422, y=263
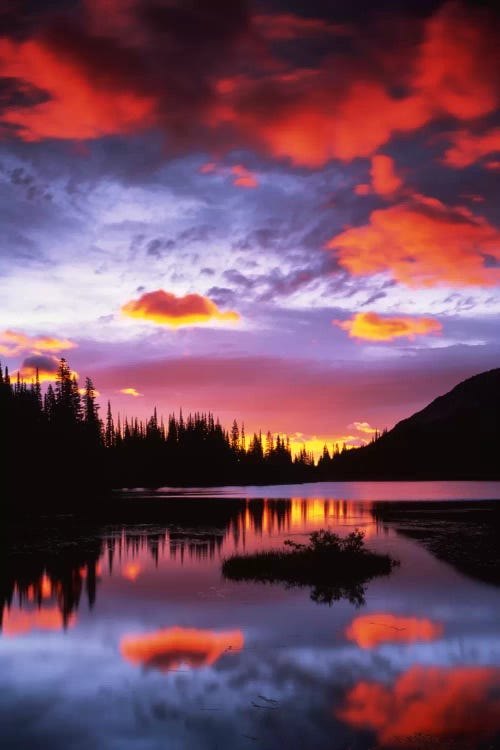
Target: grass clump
x=334, y=567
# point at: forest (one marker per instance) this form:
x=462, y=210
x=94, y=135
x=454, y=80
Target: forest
x=57, y=441
x=56, y=444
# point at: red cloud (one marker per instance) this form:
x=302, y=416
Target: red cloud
x=167, y=309
x=369, y=631
x=362, y=189
x=455, y=70
x=373, y=327
x=431, y=701
x=467, y=148
x=384, y=178
x=243, y=178
x=422, y=243
x=98, y=79
x=343, y=111
x=287, y=26
x=174, y=647
x=80, y=104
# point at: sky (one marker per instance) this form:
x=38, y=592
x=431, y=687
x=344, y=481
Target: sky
x=284, y=212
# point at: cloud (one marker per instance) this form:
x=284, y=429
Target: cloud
x=243, y=178
x=131, y=392
x=384, y=178
x=173, y=648
x=13, y=343
x=83, y=391
x=47, y=366
x=282, y=27
x=422, y=243
x=427, y=701
x=362, y=427
x=94, y=67
x=368, y=631
x=77, y=105
x=468, y=148
x=371, y=326
x=92, y=70
x=363, y=189
x=341, y=110
x=167, y=309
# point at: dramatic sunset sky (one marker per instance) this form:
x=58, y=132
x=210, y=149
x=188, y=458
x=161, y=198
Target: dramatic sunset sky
x=282, y=211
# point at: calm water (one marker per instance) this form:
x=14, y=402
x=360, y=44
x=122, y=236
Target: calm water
x=130, y=638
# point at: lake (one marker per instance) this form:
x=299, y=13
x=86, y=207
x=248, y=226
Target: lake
x=128, y=637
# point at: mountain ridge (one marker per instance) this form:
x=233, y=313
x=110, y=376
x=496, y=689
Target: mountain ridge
x=456, y=436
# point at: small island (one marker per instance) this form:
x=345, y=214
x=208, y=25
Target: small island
x=334, y=567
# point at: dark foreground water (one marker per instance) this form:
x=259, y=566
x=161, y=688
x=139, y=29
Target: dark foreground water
x=129, y=638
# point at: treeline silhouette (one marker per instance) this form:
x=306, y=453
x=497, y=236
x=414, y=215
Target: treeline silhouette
x=57, y=442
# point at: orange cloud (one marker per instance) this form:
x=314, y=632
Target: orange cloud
x=243, y=178
x=422, y=243
x=47, y=366
x=208, y=168
x=132, y=571
x=373, y=327
x=79, y=105
x=384, y=178
x=83, y=391
x=467, y=148
x=370, y=630
x=13, y=343
x=457, y=702
x=362, y=427
x=167, y=309
x=17, y=621
x=131, y=392
x=493, y=165
x=175, y=647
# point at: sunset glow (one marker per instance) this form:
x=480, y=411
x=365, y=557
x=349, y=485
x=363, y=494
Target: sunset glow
x=191, y=197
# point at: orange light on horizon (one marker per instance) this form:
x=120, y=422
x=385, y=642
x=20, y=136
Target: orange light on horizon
x=368, y=631
x=172, y=648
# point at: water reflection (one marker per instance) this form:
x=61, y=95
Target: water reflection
x=169, y=650
x=368, y=631
x=128, y=636
x=47, y=586
x=428, y=701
